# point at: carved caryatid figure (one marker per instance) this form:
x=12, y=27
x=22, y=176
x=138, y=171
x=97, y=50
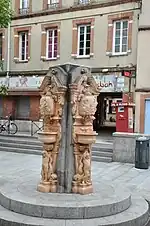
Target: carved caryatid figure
x=84, y=167
x=47, y=104
x=84, y=92
x=45, y=166
x=51, y=104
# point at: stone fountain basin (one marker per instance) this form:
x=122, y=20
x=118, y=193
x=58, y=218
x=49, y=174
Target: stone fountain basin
x=23, y=198
x=47, y=137
x=84, y=138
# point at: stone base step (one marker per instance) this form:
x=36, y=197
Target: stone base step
x=103, y=149
x=21, y=145
x=26, y=149
x=18, y=136
x=21, y=150
x=23, y=198
x=136, y=215
x=102, y=153
x=28, y=141
x=101, y=159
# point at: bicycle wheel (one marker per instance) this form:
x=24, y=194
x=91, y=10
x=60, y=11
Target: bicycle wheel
x=2, y=128
x=12, y=129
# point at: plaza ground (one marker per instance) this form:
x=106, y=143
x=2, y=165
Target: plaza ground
x=24, y=167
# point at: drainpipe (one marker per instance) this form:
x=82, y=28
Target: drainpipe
x=8, y=49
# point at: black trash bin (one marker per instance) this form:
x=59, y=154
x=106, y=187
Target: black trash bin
x=142, y=153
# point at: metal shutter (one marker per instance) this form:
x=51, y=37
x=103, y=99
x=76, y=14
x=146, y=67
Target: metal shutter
x=22, y=107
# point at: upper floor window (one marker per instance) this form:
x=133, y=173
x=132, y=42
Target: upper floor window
x=23, y=46
x=1, y=46
x=53, y=4
x=120, y=37
x=84, y=40
x=52, y=44
x=24, y=6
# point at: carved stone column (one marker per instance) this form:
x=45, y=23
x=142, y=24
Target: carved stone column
x=84, y=93
x=51, y=105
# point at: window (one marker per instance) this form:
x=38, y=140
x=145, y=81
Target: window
x=120, y=37
x=24, y=4
x=84, y=40
x=53, y=4
x=1, y=46
x=23, y=46
x=52, y=44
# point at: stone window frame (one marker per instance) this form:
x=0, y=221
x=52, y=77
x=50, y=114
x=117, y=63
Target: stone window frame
x=17, y=7
x=44, y=28
x=110, y=35
x=45, y=4
x=76, y=23
x=2, y=31
x=16, y=43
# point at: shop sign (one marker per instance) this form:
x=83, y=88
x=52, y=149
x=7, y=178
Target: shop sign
x=22, y=82
x=110, y=83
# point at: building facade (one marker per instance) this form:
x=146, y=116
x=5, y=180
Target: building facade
x=94, y=33
x=143, y=71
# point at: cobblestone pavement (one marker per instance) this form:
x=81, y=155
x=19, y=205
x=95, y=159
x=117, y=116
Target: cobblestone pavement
x=23, y=167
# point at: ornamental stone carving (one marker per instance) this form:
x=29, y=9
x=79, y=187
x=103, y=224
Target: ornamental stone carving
x=51, y=105
x=87, y=104
x=84, y=92
x=46, y=106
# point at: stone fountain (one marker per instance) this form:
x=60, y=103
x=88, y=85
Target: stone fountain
x=68, y=104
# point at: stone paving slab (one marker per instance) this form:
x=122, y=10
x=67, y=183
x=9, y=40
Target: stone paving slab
x=14, y=167
x=21, y=167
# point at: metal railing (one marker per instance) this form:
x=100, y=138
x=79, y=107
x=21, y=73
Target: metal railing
x=84, y=2
x=91, y=2
x=24, y=127
x=53, y=5
x=37, y=128
x=24, y=11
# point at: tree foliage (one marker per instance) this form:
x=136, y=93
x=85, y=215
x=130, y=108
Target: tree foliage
x=3, y=90
x=5, y=13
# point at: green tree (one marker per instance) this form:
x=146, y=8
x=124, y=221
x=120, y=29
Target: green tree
x=5, y=13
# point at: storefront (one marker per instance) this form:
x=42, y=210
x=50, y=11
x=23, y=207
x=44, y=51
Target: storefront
x=112, y=87
x=22, y=101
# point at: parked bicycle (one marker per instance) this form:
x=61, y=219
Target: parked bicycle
x=9, y=126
